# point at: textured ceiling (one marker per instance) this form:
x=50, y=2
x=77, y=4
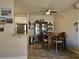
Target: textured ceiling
x=35, y=6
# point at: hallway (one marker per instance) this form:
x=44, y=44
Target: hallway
x=39, y=53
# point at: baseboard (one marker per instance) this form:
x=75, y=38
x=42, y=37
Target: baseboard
x=74, y=51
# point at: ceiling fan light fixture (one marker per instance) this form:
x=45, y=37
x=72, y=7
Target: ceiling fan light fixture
x=48, y=13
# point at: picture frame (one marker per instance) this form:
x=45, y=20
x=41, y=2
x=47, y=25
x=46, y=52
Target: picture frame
x=1, y=29
x=2, y=20
x=5, y=11
x=21, y=28
x=9, y=20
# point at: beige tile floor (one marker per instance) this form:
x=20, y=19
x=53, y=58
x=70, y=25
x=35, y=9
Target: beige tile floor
x=39, y=53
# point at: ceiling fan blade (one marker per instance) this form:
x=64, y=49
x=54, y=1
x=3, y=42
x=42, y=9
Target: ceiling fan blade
x=48, y=10
x=53, y=11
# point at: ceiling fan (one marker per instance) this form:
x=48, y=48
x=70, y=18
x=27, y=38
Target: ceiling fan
x=49, y=12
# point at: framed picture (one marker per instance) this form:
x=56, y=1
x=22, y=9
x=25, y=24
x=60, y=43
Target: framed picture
x=1, y=29
x=2, y=20
x=21, y=28
x=6, y=11
x=9, y=20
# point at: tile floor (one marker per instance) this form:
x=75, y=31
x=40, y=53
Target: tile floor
x=39, y=53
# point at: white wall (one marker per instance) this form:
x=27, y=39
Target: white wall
x=10, y=44
x=21, y=19
x=64, y=22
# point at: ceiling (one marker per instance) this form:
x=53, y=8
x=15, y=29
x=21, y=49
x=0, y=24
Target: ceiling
x=35, y=6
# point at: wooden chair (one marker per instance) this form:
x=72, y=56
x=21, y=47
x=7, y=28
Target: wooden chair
x=58, y=42
x=63, y=35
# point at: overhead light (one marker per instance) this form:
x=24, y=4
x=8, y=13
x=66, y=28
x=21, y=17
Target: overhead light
x=48, y=13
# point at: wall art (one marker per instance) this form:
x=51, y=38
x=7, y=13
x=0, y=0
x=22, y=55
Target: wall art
x=9, y=20
x=2, y=20
x=5, y=11
x=21, y=28
x=1, y=29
